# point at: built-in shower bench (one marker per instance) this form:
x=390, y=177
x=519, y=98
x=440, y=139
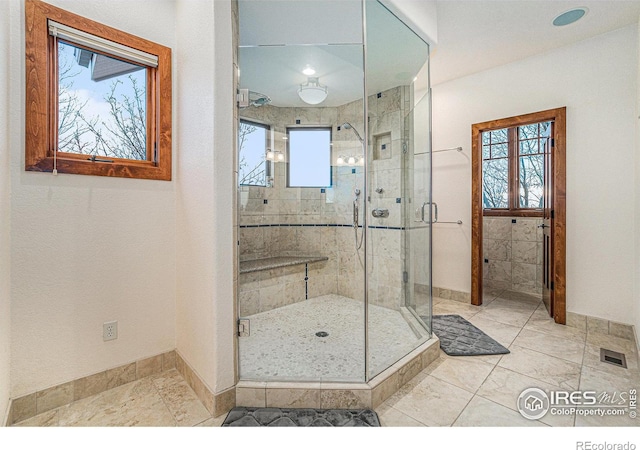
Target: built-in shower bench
x=268, y=283
x=276, y=262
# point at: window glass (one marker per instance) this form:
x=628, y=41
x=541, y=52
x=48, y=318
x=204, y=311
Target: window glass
x=495, y=183
x=532, y=144
x=102, y=105
x=514, y=168
x=252, y=145
x=531, y=182
x=309, y=157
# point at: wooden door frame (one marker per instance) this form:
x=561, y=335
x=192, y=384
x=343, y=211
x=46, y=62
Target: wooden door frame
x=558, y=223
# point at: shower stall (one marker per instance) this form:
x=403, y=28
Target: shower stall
x=334, y=194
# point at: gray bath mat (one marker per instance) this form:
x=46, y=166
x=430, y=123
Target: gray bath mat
x=300, y=417
x=458, y=337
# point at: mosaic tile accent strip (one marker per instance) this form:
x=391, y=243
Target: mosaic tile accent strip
x=280, y=417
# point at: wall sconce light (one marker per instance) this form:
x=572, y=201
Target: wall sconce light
x=276, y=156
x=348, y=160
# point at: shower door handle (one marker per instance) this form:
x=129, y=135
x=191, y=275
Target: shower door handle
x=422, y=213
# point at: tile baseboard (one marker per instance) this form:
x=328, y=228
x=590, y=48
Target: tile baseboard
x=590, y=324
x=450, y=294
x=216, y=403
x=30, y=405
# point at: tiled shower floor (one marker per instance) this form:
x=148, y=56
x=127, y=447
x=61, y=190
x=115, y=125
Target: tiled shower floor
x=283, y=342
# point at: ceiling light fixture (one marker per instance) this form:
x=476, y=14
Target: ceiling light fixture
x=569, y=17
x=308, y=70
x=312, y=92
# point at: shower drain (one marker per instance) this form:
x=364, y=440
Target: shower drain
x=322, y=334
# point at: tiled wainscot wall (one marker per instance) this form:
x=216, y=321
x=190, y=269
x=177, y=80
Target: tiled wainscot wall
x=282, y=221
x=512, y=249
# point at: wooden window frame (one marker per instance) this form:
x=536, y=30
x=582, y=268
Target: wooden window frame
x=512, y=126
x=42, y=100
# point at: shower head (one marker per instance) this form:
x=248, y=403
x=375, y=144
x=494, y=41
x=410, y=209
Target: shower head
x=257, y=99
x=348, y=126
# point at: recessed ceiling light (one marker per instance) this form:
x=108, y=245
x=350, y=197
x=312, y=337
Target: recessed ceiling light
x=570, y=16
x=308, y=70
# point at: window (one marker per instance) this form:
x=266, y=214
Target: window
x=513, y=168
x=309, y=157
x=253, y=167
x=98, y=99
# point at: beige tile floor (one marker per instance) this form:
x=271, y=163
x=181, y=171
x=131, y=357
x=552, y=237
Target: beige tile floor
x=452, y=391
x=483, y=390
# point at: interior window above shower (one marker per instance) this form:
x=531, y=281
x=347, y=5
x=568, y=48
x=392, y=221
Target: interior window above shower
x=309, y=157
x=254, y=154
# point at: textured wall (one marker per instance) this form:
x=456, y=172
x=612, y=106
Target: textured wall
x=85, y=250
x=637, y=201
x=5, y=212
x=205, y=268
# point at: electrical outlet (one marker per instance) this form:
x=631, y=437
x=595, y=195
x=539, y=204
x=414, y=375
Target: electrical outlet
x=110, y=331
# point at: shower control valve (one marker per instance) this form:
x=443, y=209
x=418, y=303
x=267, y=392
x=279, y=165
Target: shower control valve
x=380, y=213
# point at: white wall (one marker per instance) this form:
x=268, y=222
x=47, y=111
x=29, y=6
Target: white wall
x=595, y=80
x=636, y=311
x=5, y=214
x=85, y=250
x=205, y=191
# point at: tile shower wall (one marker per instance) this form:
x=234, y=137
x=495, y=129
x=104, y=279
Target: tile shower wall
x=388, y=130
x=512, y=249
x=281, y=221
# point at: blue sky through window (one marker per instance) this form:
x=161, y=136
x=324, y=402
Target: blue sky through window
x=310, y=157
x=85, y=112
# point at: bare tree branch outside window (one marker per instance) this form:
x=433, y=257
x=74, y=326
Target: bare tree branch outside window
x=531, y=144
x=251, y=155
x=114, y=126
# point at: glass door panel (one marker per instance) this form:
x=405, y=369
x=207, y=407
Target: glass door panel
x=301, y=281
x=398, y=181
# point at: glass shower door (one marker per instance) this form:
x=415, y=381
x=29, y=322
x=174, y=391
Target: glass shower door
x=420, y=214
x=398, y=183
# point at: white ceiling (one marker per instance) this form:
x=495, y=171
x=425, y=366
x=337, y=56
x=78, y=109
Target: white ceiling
x=478, y=35
x=473, y=35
